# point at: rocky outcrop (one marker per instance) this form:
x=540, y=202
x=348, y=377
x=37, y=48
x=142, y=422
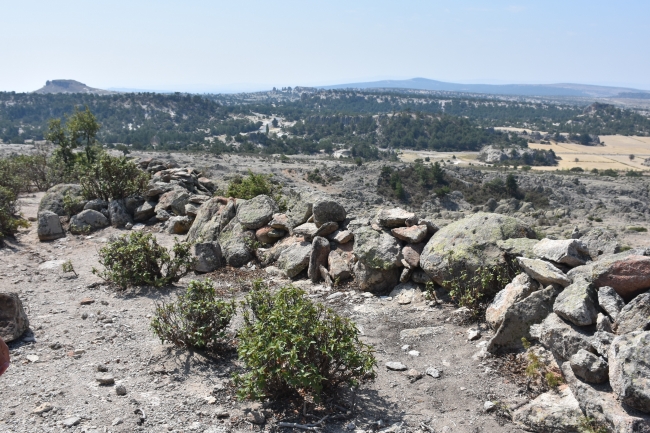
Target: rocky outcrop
x=635, y=316
x=629, y=370
x=571, y=252
x=49, y=226
x=13, y=320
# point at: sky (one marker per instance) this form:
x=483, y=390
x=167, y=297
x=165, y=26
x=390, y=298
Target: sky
x=245, y=45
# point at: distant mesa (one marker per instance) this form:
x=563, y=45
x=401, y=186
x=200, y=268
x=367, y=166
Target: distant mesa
x=70, y=86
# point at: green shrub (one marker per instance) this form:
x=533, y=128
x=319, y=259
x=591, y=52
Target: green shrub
x=9, y=222
x=292, y=345
x=472, y=290
x=197, y=319
x=609, y=172
x=138, y=260
x=633, y=173
x=112, y=178
x=638, y=229
x=576, y=169
x=250, y=186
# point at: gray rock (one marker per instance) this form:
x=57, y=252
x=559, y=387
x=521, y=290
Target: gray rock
x=13, y=320
x=71, y=422
x=320, y=250
x=105, y=379
x=49, y=226
x=589, y=367
x=120, y=390
x=341, y=236
x=87, y=221
x=407, y=293
x=256, y=212
x=211, y=218
x=208, y=256
x=563, y=339
x=97, y=204
x=294, y=259
x=145, y=211
x=339, y=265
x=551, y=412
x=544, y=272
x=412, y=235
x=300, y=209
x=375, y=280
x=433, y=372
x=572, y=252
x=53, y=199
x=629, y=369
x=235, y=243
x=132, y=203
x=393, y=217
x=118, y=215
x=306, y=230
x=601, y=242
x=174, y=201
x=179, y=225
x=577, y=303
x=378, y=250
x=191, y=209
x=421, y=277
x=519, y=317
x=281, y=221
x=518, y=247
x=469, y=244
x=635, y=316
x=603, y=323
x=327, y=229
x=610, y=301
x=326, y=210
x=396, y=366
x=520, y=287
x=163, y=215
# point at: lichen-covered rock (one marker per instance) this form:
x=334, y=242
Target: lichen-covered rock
x=412, y=235
x=571, y=252
x=53, y=199
x=49, y=226
x=589, y=367
x=562, y=338
x=610, y=301
x=396, y=217
x=174, y=201
x=518, y=247
x=118, y=215
x=339, y=264
x=327, y=210
x=13, y=320
x=207, y=256
x=377, y=250
x=629, y=369
x=520, y=287
x=375, y=280
x=87, y=221
x=211, y=218
x=294, y=259
x=341, y=236
x=469, y=244
x=577, y=303
x=320, y=250
x=235, y=243
x=635, y=316
x=407, y=293
x=256, y=212
x=179, y=225
x=551, y=412
x=600, y=242
x=544, y=272
x=145, y=211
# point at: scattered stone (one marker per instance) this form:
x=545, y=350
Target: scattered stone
x=281, y=222
x=412, y=235
x=544, y=272
x=328, y=211
x=488, y=406
x=32, y=358
x=396, y=366
x=433, y=372
x=413, y=353
x=86, y=301
x=105, y=379
x=610, y=301
x=13, y=319
x=71, y=422
x=45, y=407
x=629, y=370
x=600, y=241
x=635, y=316
x=577, y=303
x=255, y=417
x=49, y=226
x=117, y=421
x=120, y=389
x=571, y=252
x=102, y=368
x=551, y=412
x=413, y=375
x=419, y=332
x=394, y=217
x=208, y=256
x=473, y=334
x=256, y=212
x=589, y=367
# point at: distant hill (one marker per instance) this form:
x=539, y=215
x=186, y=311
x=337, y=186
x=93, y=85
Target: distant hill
x=494, y=89
x=70, y=86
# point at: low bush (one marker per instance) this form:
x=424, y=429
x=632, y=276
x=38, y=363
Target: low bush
x=112, y=177
x=290, y=344
x=138, y=260
x=9, y=222
x=609, y=172
x=197, y=319
x=473, y=290
x=250, y=186
x=638, y=229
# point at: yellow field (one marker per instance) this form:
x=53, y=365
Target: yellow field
x=615, y=154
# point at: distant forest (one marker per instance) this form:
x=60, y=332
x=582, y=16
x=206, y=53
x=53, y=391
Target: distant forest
x=317, y=120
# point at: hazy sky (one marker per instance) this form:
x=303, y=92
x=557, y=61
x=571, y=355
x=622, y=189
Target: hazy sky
x=213, y=45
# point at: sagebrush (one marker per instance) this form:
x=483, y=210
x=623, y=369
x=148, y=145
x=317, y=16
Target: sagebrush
x=112, y=178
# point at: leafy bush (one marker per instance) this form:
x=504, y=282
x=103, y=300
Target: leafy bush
x=473, y=290
x=291, y=344
x=249, y=186
x=638, y=229
x=633, y=173
x=138, y=260
x=9, y=222
x=112, y=178
x=609, y=172
x=198, y=319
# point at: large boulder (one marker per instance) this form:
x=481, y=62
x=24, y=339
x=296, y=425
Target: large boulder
x=327, y=210
x=174, y=201
x=53, y=199
x=610, y=301
x=339, y=264
x=235, y=243
x=518, y=319
x=589, y=367
x=295, y=258
x=377, y=250
x=518, y=247
x=320, y=250
x=551, y=412
x=87, y=221
x=207, y=256
x=49, y=226
x=601, y=242
x=469, y=244
x=13, y=320
x=396, y=217
x=118, y=215
x=635, y=316
x=375, y=280
x=544, y=272
x=577, y=303
x=629, y=369
x=571, y=252
x=211, y=218
x=563, y=339
x=256, y=212
x=518, y=289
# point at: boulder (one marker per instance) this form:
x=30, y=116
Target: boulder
x=520, y=287
x=378, y=250
x=163, y=215
x=628, y=273
x=375, y=280
x=256, y=212
x=551, y=412
x=412, y=235
x=307, y=230
x=571, y=252
x=179, y=225
x=338, y=262
x=300, y=208
x=341, y=236
x=610, y=301
x=601, y=242
x=469, y=244
x=174, y=200
x=635, y=316
x=145, y=211
x=211, y=218
x=132, y=203
x=603, y=323
x=281, y=221
x=629, y=369
x=411, y=254
x=53, y=199
x=268, y=235
x=235, y=243
x=518, y=247
x=320, y=250
x=577, y=303
x=97, y=204
x=207, y=255
x=589, y=367
x=563, y=339
x=118, y=215
x=49, y=226
x=294, y=259
x=13, y=320
x=396, y=217
x=327, y=229
x=326, y=210
x=87, y=221
x=518, y=319
x=407, y=293
x=544, y=272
